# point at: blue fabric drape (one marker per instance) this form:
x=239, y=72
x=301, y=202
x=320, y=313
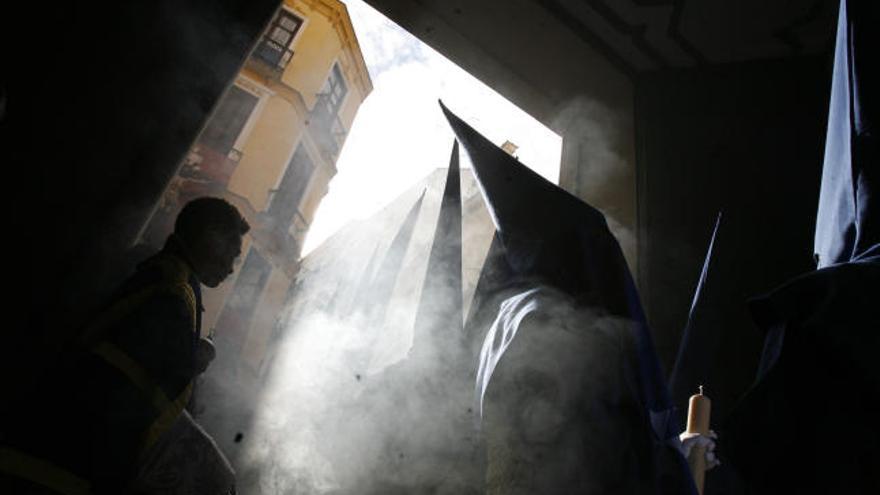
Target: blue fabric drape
x=847, y=225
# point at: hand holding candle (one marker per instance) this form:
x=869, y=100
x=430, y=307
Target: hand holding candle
x=699, y=412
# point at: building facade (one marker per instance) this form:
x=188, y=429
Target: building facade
x=270, y=148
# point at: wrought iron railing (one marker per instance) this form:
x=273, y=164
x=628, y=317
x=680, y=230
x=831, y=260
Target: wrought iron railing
x=284, y=234
x=273, y=54
x=206, y=163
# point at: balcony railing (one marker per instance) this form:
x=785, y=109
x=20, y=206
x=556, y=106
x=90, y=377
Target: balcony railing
x=272, y=54
x=300, y=226
x=329, y=131
x=282, y=238
x=206, y=163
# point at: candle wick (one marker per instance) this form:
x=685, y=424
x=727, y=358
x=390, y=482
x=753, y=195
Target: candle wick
x=701, y=389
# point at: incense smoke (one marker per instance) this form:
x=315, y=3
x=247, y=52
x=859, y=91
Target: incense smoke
x=604, y=172
x=346, y=406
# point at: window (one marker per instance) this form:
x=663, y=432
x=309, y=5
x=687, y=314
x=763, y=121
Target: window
x=331, y=95
x=330, y=133
x=286, y=199
x=275, y=43
x=228, y=120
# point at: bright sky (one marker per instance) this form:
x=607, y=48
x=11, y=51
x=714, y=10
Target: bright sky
x=400, y=135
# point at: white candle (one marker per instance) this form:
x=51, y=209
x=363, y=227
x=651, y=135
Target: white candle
x=699, y=410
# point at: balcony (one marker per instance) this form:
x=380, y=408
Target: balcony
x=204, y=163
x=272, y=57
x=282, y=238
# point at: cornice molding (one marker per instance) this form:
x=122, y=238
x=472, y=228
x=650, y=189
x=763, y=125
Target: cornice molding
x=337, y=13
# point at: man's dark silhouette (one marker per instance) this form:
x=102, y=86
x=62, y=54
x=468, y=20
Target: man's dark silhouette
x=120, y=396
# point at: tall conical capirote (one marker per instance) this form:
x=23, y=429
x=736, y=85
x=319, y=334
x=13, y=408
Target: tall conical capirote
x=848, y=221
x=363, y=286
x=386, y=276
x=494, y=275
x=547, y=233
x=553, y=238
x=438, y=324
x=699, y=339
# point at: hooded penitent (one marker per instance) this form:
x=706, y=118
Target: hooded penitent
x=420, y=406
x=377, y=298
x=438, y=324
x=819, y=379
x=848, y=222
x=566, y=268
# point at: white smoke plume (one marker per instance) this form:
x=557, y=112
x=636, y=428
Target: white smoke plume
x=342, y=407
x=599, y=164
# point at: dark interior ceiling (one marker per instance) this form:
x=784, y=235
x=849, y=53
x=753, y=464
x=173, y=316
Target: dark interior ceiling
x=640, y=35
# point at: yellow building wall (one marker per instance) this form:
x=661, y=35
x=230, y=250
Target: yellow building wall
x=280, y=125
x=316, y=48
x=267, y=151
x=276, y=130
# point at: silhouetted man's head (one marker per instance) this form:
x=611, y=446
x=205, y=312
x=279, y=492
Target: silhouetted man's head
x=210, y=230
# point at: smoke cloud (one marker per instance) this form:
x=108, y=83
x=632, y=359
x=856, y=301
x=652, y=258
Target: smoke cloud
x=599, y=164
x=344, y=405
